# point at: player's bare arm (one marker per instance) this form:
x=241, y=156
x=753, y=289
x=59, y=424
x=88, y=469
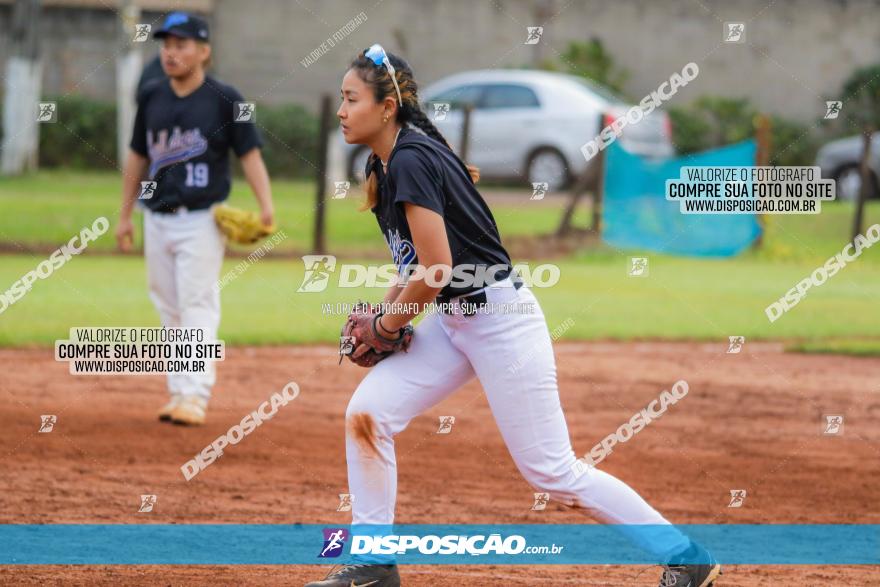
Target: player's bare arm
x=392, y=293
x=258, y=178
x=133, y=172
x=432, y=249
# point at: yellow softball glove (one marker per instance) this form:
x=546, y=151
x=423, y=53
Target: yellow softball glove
x=241, y=226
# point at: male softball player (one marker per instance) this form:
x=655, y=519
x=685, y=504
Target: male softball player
x=185, y=126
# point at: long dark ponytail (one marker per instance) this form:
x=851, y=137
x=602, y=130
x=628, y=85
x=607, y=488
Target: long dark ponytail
x=409, y=112
x=417, y=117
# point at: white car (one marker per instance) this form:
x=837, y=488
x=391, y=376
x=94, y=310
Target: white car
x=530, y=125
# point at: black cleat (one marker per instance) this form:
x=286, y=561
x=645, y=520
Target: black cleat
x=360, y=575
x=695, y=568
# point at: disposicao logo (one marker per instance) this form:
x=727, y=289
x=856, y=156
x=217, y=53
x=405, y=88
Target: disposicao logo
x=334, y=542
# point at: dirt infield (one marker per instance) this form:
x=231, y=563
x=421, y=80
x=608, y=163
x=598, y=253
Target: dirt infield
x=750, y=421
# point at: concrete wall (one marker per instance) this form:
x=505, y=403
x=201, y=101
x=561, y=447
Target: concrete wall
x=78, y=48
x=79, y=41
x=797, y=51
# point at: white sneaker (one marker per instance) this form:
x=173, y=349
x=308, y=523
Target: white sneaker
x=190, y=411
x=165, y=412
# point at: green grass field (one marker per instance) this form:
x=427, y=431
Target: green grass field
x=46, y=209
x=681, y=299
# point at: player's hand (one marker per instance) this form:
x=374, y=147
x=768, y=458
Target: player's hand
x=124, y=234
x=267, y=217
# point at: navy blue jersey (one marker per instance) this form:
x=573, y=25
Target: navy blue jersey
x=426, y=173
x=187, y=142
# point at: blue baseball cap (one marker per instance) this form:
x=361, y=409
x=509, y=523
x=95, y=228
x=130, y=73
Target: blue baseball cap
x=184, y=25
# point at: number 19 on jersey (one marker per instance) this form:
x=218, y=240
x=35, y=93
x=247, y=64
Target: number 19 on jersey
x=196, y=175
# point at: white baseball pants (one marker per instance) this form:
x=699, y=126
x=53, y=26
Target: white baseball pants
x=512, y=356
x=184, y=253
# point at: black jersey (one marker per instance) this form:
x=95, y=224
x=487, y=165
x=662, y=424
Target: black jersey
x=187, y=142
x=424, y=172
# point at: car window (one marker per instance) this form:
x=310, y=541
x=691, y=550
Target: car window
x=459, y=96
x=509, y=96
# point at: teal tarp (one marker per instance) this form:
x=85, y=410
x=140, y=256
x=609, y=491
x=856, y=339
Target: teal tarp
x=636, y=214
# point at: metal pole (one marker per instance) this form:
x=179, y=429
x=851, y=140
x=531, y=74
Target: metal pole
x=865, y=172
x=319, y=242
x=762, y=159
x=465, y=132
x=596, y=221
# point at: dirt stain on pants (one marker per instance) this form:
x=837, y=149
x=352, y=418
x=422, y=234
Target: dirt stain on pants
x=363, y=429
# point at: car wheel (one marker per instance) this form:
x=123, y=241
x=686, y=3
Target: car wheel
x=548, y=166
x=849, y=182
x=357, y=163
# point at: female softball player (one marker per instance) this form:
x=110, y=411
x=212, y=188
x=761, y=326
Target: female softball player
x=430, y=213
x=184, y=128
